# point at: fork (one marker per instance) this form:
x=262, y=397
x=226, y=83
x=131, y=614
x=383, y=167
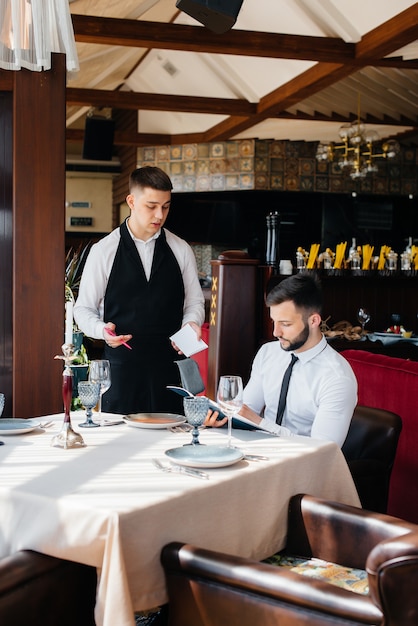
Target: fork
x=46, y=424
x=179, y=469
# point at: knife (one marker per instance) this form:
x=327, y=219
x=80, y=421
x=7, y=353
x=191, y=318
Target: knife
x=180, y=469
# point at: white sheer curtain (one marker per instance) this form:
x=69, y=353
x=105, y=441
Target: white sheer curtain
x=31, y=29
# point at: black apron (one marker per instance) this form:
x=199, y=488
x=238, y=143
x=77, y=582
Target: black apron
x=151, y=311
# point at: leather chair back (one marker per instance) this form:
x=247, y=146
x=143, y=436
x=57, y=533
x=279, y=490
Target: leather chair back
x=370, y=449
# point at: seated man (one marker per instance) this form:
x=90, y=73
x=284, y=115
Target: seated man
x=322, y=390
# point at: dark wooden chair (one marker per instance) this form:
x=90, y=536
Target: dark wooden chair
x=207, y=588
x=370, y=449
x=40, y=590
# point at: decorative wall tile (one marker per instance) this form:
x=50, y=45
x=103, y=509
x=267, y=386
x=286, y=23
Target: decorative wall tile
x=409, y=186
x=203, y=183
x=246, y=147
x=176, y=153
x=232, y=149
x=277, y=165
x=261, y=181
x=366, y=185
x=232, y=164
x=217, y=182
x=261, y=164
x=163, y=153
x=278, y=149
x=336, y=184
x=217, y=150
x=177, y=183
x=203, y=150
x=232, y=181
x=189, y=183
x=189, y=168
x=292, y=166
x=246, y=181
x=321, y=183
x=306, y=183
x=217, y=166
x=380, y=185
x=246, y=165
x=149, y=154
x=176, y=168
x=306, y=167
x=203, y=167
x=277, y=181
x=190, y=151
x=292, y=183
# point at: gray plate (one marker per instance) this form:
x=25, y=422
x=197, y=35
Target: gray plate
x=17, y=425
x=205, y=456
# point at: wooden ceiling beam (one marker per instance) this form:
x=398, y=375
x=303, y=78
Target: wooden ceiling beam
x=158, y=102
x=142, y=34
x=386, y=38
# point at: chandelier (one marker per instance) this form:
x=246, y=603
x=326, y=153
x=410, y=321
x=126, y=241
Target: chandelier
x=357, y=151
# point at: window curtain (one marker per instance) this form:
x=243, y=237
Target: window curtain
x=31, y=29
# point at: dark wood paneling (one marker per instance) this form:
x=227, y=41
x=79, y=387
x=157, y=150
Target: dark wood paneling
x=38, y=238
x=6, y=266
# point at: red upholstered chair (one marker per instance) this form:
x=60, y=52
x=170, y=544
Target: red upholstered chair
x=207, y=588
x=389, y=383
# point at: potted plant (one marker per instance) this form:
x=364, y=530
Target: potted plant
x=74, y=264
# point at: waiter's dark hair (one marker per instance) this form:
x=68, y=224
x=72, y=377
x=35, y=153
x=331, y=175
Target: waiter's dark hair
x=149, y=176
x=303, y=289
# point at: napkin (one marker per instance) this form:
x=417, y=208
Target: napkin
x=186, y=340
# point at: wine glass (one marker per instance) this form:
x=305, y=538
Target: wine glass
x=363, y=317
x=89, y=394
x=195, y=411
x=99, y=372
x=229, y=398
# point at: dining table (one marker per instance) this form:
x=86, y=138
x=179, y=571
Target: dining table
x=107, y=505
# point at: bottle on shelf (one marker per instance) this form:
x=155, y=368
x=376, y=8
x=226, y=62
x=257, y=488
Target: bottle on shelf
x=353, y=248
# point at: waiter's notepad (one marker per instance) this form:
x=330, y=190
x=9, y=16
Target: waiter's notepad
x=186, y=339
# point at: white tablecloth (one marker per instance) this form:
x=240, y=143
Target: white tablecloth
x=106, y=505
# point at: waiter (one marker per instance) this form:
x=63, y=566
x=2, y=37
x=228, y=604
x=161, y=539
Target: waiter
x=139, y=286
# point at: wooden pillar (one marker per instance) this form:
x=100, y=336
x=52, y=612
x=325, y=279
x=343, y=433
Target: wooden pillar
x=233, y=317
x=34, y=147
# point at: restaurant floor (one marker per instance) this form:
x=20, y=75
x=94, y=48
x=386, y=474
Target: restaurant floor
x=159, y=617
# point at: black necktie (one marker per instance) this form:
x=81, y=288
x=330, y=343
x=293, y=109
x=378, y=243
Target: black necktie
x=283, y=391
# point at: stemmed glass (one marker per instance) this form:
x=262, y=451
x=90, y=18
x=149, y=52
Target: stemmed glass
x=89, y=394
x=363, y=317
x=99, y=372
x=229, y=398
x=195, y=411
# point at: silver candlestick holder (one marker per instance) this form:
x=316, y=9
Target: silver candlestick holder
x=67, y=437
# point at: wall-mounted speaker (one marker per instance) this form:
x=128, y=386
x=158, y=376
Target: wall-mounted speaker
x=98, y=138
x=212, y=13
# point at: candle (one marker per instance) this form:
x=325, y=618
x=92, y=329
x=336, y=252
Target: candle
x=69, y=322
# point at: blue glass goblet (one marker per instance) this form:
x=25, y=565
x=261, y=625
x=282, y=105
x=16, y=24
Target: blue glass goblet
x=195, y=411
x=89, y=394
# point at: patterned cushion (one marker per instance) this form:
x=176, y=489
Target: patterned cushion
x=346, y=577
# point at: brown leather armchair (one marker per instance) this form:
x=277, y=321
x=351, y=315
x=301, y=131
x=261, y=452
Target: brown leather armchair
x=40, y=590
x=208, y=588
x=370, y=449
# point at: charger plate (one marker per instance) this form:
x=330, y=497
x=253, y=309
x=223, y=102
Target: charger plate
x=205, y=456
x=17, y=425
x=154, y=420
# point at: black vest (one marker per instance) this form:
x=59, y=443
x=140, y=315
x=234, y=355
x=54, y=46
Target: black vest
x=151, y=311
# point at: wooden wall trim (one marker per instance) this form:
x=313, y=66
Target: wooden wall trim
x=38, y=238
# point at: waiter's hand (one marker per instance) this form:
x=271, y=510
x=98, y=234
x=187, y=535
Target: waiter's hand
x=112, y=340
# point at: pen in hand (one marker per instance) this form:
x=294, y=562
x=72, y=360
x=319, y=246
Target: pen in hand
x=110, y=332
